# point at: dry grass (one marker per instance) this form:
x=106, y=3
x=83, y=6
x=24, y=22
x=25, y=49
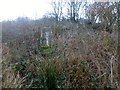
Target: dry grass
x=10, y=78
x=80, y=59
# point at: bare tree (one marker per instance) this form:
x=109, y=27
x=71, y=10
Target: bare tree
x=73, y=9
x=57, y=12
x=104, y=13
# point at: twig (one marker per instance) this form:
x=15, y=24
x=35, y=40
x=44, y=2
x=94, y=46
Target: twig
x=100, y=76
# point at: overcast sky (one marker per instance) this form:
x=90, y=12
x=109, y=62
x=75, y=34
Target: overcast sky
x=11, y=9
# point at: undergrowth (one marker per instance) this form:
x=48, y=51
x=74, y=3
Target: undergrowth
x=75, y=60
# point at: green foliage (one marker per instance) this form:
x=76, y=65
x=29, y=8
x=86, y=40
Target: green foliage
x=95, y=82
x=49, y=76
x=106, y=40
x=27, y=67
x=21, y=65
x=108, y=84
x=46, y=50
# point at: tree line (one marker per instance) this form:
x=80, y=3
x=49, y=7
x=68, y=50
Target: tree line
x=104, y=13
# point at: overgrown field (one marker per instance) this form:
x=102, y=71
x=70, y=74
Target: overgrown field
x=77, y=58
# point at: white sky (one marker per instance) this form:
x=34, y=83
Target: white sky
x=11, y=9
